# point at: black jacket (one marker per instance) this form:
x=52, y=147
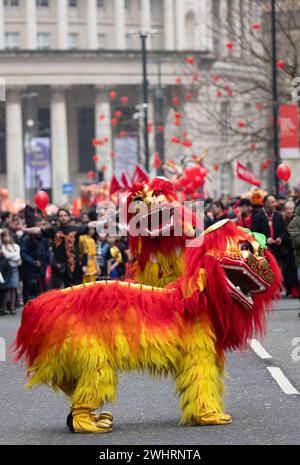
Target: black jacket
x=260, y=224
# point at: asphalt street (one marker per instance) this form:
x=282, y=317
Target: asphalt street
x=146, y=411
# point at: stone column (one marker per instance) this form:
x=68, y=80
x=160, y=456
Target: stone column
x=14, y=145
x=120, y=24
x=31, y=25
x=146, y=20
x=2, y=35
x=103, y=129
x=169, y=24
x=180, y=19
x=62, y=24
x=59, y=144
x=92, y=24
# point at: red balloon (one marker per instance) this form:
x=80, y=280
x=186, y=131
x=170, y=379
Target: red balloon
x=184, y=180
x=229, y=45
x=256, y=26
x=175, y=100
x=283, y=172
x=190, y=60
x=41, y=199
x=124, y=99
x=113, y=94
x=189, y=189
x=198, y=182
x=177, y=115
x=280, y=64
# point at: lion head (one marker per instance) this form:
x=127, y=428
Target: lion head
x=238, y=279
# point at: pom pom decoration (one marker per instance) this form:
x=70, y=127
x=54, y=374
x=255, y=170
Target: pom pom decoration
x=41, y=199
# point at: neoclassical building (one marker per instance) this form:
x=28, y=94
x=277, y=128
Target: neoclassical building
x=59, y=61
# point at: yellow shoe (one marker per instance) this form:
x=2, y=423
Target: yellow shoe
x=213, y=418
x=84, y=422
x=105, y=415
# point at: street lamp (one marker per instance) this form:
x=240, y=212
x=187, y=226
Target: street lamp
x=276, y=159
x=143, y=36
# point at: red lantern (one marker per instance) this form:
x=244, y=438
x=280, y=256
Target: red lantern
x=123, y=133
x=161, y=128
x=264, y=166
x=195, y=76
x=189, y=97
x=256, y=26
x=114, y=122
x=91, y=174
x=124, y=99
x=253, y=146
x=118, y=114
x=177, y=123
x=187, y=143
x=176, y=100
x=175, y=140
x=41, y=199
x=95, y=158
x=178, y=80
x=283, y=172
x=241, y=124
x=113, y=94
x=177, y=115
x=190, y=60
x=280, y=64
x=216, y=167
x=229, y=45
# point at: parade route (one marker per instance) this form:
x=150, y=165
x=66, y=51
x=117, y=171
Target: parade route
x=146, y=411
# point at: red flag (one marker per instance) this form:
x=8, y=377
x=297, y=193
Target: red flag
x=243, y=173
x=126, y=180
x=140, y=175
x=115, y=186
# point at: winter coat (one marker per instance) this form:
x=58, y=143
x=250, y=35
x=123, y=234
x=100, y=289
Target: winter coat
x=294, y=233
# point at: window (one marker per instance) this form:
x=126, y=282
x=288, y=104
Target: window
x=43, y=40
x=44, y=3
x=101, y=40
x=86, y=132
x=11, y=3
x=73, y=40
x=101, y=4
x=12, y=40
x=73, y=3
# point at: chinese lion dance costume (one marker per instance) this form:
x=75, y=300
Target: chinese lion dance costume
x=159, y=227
x=78, y=339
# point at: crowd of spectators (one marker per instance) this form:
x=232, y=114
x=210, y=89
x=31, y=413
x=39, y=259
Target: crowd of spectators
x=38, y=253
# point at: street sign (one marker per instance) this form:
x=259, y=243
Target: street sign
x=68, y=188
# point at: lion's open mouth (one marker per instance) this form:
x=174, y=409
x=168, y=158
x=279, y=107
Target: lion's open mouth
x=157, y=221
x=243, y=281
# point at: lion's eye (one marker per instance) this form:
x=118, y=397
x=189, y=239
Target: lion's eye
x=246, y=246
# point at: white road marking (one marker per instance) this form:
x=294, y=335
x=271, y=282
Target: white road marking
x=282, y=380
x=259, y=349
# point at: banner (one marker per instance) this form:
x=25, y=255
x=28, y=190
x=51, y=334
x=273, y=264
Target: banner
x=245, y=175
x=38, y=163
x=289, y=133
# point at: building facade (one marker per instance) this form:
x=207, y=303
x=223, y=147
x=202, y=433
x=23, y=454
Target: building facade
x=59, y=61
